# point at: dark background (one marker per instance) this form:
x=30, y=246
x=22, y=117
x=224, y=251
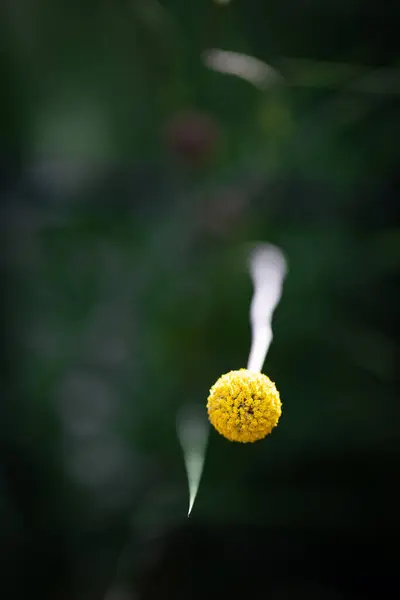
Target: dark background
x=133, y=177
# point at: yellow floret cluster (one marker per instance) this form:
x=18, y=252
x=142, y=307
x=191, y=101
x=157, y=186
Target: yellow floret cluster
x=244, y=406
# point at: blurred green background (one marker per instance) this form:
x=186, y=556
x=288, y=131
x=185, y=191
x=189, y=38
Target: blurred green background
x=133, y=178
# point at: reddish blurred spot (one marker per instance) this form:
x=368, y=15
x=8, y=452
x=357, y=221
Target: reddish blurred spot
x=192, y=136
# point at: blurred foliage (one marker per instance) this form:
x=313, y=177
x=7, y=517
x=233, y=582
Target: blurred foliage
x=133, y=179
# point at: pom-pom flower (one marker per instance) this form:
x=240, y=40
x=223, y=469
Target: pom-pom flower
x=244, y=406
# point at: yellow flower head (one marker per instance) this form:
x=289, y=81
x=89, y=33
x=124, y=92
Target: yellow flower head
x=244, y=406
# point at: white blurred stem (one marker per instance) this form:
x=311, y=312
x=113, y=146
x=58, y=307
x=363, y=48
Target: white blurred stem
x=268, y=270
x=194, y=467
x=193, y=429
x=260, y=343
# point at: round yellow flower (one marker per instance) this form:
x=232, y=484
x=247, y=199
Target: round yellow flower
x=244, y=406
